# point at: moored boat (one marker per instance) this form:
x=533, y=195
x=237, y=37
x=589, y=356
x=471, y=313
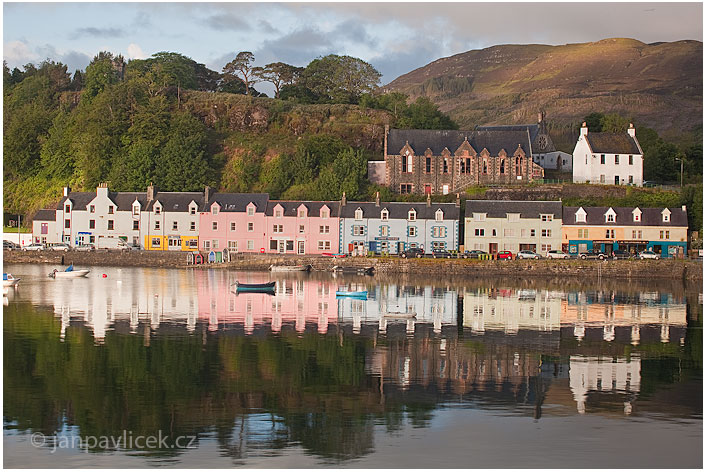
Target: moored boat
x=354, y=270
x=69, y=273
x=293, y=268
x=398, y=314
x=342, y=293
x=8, y=280
x=266, y=287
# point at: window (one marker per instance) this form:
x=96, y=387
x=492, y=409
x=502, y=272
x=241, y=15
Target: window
x=92, y=239
x=233, y=245
x=666, y=235
x=480, y=232
x=157, y=209
x=610, y=218
x=547, y=217
x=546, y=233
x=301, y=228
x=135, y=225
x=602, y=178
x=637, y=216
x=533, y=233
x=277, y=228
x=546, y=247
x=192, y=226
x=384, y=215
x=583, y=233
x=157, y=242
x=495, y=233
x=111, y=225
x=278, y=213
x=111, y=209
x=67, y=223
x=427, y=168
x=438, y=232
x=136, y=210
x=412, y=231
x=502, y=166
x=324, y=245
x=251, y=244
x=610, y=234
x=412, y=215
x=446, y=165
x=324, y=214
x=407, y=163
x=602, y=158
x=214, y=210
x=232, y=225
x=630, y=181
x=193, y=243
x=251, y=227
x=214, y=226
x=439, y=215
x=637, y=234
x=665, y=217
x=206, y=244
x=302, y=213
x=617, y=180
x=156, y=224
x=478, y=216
x=358, y=230
x=359, y=214
x=384, y=230
x=192, y=210
x=630, y=159
x=92, y=208
x=580, y=217
x=175, y=226
x=324, y=229
x=661, y=235
x=290, y=245
x=67, y=209
x=405, y=188
x=251, y=211
x=617, y=159
x=513, y=217
x=214, y=243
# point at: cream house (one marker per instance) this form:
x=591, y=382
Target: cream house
x=608, y=158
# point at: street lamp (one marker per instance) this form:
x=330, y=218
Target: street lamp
x=681, y=161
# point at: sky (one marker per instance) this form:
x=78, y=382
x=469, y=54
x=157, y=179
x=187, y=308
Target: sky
x=396, y=38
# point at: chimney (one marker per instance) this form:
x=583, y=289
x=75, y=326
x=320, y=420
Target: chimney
x=102, y=189
x=343, y=199
x=150, y=192
x=683, y=208
x=67, y=191
x=584, y=129
x=377, y=199
x=631, y=130
x=428, y=200
x=207, y=194
x=458, y=200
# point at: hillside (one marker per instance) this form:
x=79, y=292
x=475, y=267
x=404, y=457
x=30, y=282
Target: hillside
x=658, y=85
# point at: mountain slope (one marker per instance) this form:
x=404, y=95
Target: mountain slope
x=659, y=85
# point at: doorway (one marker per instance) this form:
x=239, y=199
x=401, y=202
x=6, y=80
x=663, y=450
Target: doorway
x=300, y=247
x=280, y=246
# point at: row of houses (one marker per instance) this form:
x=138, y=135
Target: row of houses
x=251, y=222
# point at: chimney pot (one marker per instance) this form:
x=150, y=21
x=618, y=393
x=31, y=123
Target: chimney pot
x=343, y=199
x=428, y=199
x=67, y=191
x=377, y=199
x=207, y=193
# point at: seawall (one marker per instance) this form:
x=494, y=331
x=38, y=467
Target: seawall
x=685, y=270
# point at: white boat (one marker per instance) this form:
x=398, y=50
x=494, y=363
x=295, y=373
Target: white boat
x=399, y=314
x=68, y=274
x=8, y=280
x=293, y=268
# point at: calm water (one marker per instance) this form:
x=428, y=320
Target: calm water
x=490, y=373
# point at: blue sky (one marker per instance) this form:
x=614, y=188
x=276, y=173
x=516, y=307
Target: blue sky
x=395, y=37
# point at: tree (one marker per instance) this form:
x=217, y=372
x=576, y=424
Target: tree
x=339, y=79
x=278, y=74
x=615, y=123
x=594, y=122
x=183, y=163
x=424, y=114
x=104, y=70
x=241, y=67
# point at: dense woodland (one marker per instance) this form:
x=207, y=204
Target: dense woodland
x=154, y=120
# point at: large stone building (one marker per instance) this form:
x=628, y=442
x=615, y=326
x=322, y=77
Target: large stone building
x=446, y=161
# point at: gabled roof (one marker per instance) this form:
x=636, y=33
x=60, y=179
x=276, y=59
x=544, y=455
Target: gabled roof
x=79, y=200
x=437, y=140
x=400, y=210
x=176, y=201
x=124, y=200
x=238, y=201
x=45, y=215
x=624, y=217
x=613, y=143
x=290, y=208
x=500, y=208
x=533, y=129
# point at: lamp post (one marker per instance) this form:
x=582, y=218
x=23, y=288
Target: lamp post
x=681, y=161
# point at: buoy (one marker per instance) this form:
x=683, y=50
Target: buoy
x=105, y=276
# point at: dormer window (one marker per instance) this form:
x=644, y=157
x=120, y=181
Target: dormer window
x=358, y=214
x=384, y=215
x=666, y=216
x=214, y=210
x=610, y=218
x=479, y=216
x=439, y=215
x=192, y=210
x=67, y=209
x=581, y=216
x=412, y=215
x=136, y=210
x=278, y=213
x=324, y=213
x=302, y=213
x=636, y=215
x=251, y=211
x=157, y=209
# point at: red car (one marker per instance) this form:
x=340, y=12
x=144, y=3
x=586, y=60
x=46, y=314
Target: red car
x=504, y=255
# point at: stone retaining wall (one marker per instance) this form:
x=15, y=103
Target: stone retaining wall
x=688, y=271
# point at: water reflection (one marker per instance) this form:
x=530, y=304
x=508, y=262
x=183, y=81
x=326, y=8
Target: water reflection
x=260, y=375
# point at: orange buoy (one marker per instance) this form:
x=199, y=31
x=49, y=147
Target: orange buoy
x=105, y=276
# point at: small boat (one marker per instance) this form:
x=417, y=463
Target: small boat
x=341, y=293
x=294, y=268
x=266, y=287
x=354, y=270
x=69, y=272
x=8, y=280
x=399, y=314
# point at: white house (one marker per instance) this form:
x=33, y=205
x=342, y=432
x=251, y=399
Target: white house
x=44, y=227
x=608, y=158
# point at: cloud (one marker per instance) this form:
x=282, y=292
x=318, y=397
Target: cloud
x=404, y=56
x=227, y=22
x=18, y=53
x=135, y=52
x=98, y=32
x=297, y=48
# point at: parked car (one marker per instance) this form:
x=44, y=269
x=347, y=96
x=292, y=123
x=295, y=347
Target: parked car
x=412, y=252
x=504, y=255
x=33, y=247
x=85, y=247
x=473, y=254
x=112, y=243
x=59, y=247
x=441, y=253
x=557, y=254
x=9, y=245
x=528, y=255
x=649, y=254
x=619, y=254
x=593, y=255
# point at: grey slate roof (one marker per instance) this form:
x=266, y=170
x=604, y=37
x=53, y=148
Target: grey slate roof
x=526, y=209
x=124, y=200
x=400, y=210
x=533, y=129
x=79, y=200
x=176, y=201
x=437, y=140
x=613, y=143
x=45, y=215
x=650, y=217
x=238, y=201
x=291, y=207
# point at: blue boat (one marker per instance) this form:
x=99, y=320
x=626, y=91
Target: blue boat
x=266, y=287
x=363, y=294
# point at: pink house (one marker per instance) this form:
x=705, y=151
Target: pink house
x=296, y=227
x=235, y=221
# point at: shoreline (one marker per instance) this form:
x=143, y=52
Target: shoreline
x=683, y=270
